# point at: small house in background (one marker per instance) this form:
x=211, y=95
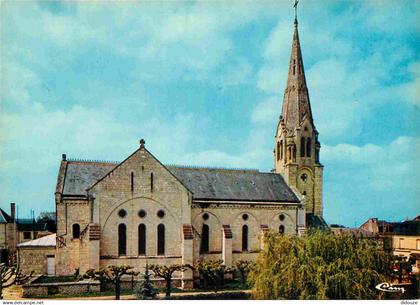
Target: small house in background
x=37, y=255
x=400, y=238
x=15, y=230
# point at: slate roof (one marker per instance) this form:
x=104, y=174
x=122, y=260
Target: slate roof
x=316, y=221
x=208, y=183
x=28, y=224
x=80, y=175
x=46, y=241
x=4, y=217
x=204, y=183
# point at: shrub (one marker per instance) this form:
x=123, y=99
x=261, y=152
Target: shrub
x=145, y=289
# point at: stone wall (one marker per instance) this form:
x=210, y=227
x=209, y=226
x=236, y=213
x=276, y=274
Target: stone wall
x=233, y=215
x=139, y=263
x=34, y=289
x=68, y=255
x=3, y=238
x=34, y=259
x=115, y=193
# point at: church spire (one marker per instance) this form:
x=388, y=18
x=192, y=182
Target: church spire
x=296, y=150
x=296, y=105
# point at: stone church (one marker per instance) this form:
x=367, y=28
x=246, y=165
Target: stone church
x=141, y=210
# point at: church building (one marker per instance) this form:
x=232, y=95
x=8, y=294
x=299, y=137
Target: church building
x=141, y=210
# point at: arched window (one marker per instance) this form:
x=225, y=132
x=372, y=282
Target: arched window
x=142, y=239
x=302, y=147
x=281, y=149
x=205, y=232
x=244, y=238
x=308, y=147
x=278, y=151
x=289, y=152
x=161, y=239
x=294, y=152
x=317, y=155
x=122, y=239
x=76, y=230
x=281, y=229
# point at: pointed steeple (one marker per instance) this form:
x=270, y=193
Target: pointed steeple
x=296, y=146
x=296, y=105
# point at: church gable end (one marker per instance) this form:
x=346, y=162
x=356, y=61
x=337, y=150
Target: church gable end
x=140, y=175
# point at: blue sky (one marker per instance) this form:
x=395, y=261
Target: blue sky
x=203, y=82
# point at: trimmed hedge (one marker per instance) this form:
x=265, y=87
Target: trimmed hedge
x=231, y=295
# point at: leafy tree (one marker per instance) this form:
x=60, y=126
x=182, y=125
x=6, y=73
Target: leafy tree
x=11, y=275
x=111, y=274
x=145, y=289
x=166, y=273
x=319, y=265
x=243, y=266
x=98, y=275
x=50, y=219
x=212, y=273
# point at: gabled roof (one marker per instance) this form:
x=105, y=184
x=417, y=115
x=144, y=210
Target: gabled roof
x=46, y=241
x=4, y=217
x=204, y=183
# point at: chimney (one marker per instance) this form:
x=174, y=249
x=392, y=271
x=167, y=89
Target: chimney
x=13, y=211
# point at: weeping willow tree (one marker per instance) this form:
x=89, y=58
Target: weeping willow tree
x=319, y=265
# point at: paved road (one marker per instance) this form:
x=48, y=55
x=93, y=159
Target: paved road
x=161, y=295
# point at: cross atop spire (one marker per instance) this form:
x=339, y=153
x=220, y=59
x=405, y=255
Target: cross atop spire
x=296, y=103
x=295, y=6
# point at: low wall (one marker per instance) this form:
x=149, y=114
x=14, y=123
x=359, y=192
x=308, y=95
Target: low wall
x=33, y=289
x=157, y=282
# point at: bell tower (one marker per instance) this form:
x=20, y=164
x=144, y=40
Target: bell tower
x=296, y=152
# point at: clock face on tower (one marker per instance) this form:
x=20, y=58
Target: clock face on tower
x=305, y=184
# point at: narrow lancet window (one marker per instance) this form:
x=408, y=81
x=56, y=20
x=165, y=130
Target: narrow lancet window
x=132, y=182
x=205, y=234
x=302, y=147
x=161, y=239
x=122, y=239
x=278, y=151
x=281, y=149
x=151, y=182
x=244, y=238
x=308, y=147
x=142, y=239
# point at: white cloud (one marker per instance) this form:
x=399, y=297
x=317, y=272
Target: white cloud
x=371, y=181
x=386, y=167
x=267, y=112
